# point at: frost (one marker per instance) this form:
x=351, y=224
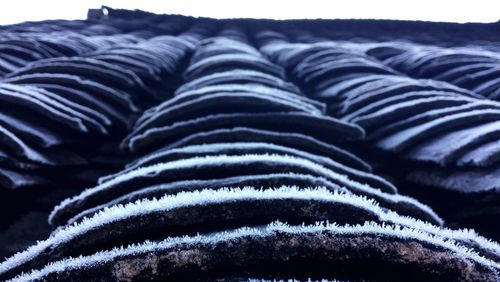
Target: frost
x=169, y=202
x=225, y=160
x=405, y=233
x=170, y=188
x=196, y=198
x=240, y=147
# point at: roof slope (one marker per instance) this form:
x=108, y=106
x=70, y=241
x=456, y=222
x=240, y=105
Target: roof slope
x=168, y=147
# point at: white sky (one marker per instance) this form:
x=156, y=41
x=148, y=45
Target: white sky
x=15, y=11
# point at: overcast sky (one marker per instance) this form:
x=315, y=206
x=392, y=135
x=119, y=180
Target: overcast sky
x=429, y=10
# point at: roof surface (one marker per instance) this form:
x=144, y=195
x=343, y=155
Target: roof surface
x=165, y=147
